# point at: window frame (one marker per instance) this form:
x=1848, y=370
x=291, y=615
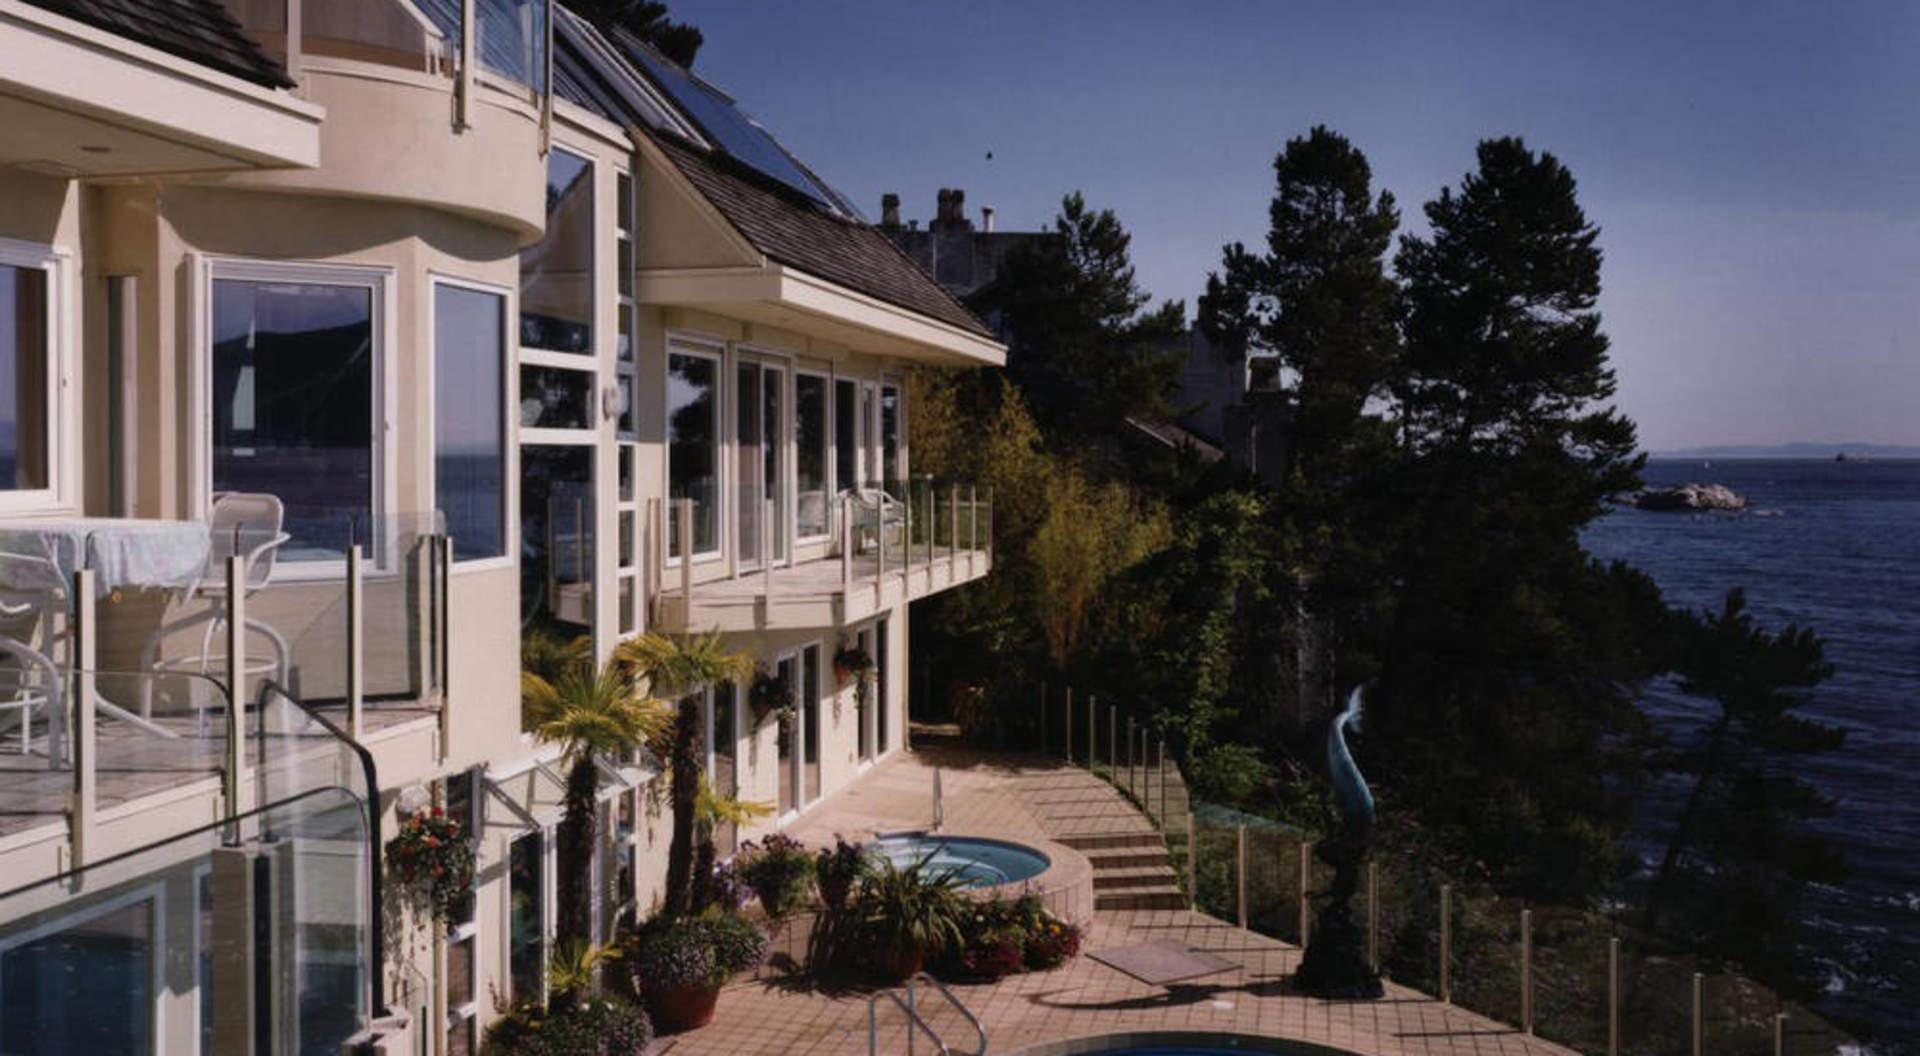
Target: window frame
x=685, y=344
x=509, y=414
x=61, y=443
x=380, y=281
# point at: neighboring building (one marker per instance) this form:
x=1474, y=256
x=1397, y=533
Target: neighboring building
x=1238, y=405
x=963, y=258
x=519, y=339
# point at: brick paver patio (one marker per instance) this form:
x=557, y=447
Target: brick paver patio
x=1012, y=796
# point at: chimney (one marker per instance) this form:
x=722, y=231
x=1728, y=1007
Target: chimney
x=890, y=210
x=986, y=219
x=959, y=206
x=944, y=209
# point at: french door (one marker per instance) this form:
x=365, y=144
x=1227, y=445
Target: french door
x=760, y=393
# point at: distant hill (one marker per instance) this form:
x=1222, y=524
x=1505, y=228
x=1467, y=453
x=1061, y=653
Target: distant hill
x=1797, y=450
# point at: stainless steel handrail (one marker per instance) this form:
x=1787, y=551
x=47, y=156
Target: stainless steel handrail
x=913, y=1020
x=958, y=1006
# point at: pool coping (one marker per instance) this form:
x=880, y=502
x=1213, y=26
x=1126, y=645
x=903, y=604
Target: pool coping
x=1129, y=1039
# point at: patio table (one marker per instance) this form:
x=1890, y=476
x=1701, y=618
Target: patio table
x=38, y=558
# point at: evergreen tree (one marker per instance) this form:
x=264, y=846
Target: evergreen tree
x=1083, y=352
x=1739, y=847
x=646, y=19
x=1509, y=668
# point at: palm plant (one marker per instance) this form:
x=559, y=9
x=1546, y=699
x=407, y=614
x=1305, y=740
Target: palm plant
x=675, y=667
x=907, y=914
x=587, y=712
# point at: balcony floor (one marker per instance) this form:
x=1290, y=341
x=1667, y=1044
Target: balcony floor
x=133, y=763
x=818, y=593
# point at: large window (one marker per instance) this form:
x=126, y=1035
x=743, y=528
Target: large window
x=293, y=392
x=526, y=917
x=810, y=721
x=85, y=984
x=846, y=435
x=25, y=357
x=556, y=538
x=810, y=442
x=693, y=453
x=469, y=430
x=556, y=273
x=890, y=441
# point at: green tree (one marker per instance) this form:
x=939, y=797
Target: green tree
x=1740, y=843
x=646, y=19
x=1083, y=352
x=1319, y=300
x=1506, y=705
x=587, y=712
x=678, y=668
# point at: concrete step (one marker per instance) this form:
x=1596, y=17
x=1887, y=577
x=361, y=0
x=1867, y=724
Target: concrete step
x=1106, y=841
x=1168, y=898
x=1126, y=857
x=1137, y=879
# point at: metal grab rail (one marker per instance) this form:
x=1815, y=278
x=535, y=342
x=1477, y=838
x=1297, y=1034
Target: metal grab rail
x=915, y=1019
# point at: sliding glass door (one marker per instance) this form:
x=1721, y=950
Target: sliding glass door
x=788, y=777
x=760, y=451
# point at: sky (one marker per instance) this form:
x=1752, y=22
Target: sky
x=1753, y=168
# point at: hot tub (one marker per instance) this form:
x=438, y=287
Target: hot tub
x=978, y=861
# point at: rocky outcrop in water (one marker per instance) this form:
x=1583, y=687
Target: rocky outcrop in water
x=1688, y=498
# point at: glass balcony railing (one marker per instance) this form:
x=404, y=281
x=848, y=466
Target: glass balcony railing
x=1594, y=980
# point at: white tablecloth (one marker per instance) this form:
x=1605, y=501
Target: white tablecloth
x=122, y=551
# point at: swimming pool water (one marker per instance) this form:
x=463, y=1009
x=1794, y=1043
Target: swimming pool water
x=980, y=862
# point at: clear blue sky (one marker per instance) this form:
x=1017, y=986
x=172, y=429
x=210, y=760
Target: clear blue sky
x=1754, y=168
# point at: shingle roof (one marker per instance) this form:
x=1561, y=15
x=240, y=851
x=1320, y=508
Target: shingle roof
x=789, y=227
x=852, y=253
x=197, y=30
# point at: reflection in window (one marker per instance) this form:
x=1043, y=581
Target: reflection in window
x=556, y=273
x=556, y=398
x=810, y=720
x=890, y=440
x=511, y=38
x=87, y=987
x=469, y=435
x=24, y=353
x=725, y=770
x=556, y=538
x=693, y=429
x=810, y=440
x=292, y=381
x=845, y=436
x=789, y=729
x=526, y=917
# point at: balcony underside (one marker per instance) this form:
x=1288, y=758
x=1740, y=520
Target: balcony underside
x=818, y=593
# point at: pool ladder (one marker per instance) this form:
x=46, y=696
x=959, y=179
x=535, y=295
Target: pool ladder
x=903, y=999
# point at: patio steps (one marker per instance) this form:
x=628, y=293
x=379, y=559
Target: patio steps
x=1130, y=869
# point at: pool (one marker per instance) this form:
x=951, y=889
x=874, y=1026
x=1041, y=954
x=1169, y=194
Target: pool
x=1182, y=1043
x=980, y=862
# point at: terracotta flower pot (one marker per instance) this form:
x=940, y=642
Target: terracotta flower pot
x=683, y=1006
x=895, y=967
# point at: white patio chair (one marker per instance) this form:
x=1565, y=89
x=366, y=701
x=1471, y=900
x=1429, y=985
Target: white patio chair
x=31, y=590
x=247, y=524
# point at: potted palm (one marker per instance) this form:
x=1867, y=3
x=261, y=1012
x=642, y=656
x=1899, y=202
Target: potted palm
x=586, y=711
x=907, y=915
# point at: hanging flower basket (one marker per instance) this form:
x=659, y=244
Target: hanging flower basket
x=851, y=661
x=433, y=860
x=768, y=695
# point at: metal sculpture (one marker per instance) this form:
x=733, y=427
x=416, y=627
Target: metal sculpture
x=1335, y=964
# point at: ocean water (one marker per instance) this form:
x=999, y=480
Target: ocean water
x=1834, y=546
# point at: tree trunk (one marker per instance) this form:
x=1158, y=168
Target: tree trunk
x=573, y=909
x=683, y=791
x=703, y=893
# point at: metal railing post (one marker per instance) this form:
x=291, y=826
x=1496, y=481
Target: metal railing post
x=989, y=526
x=1526, y=970
x=81, y=694
x=973, y=528
x=1163, y=778
x=356, y=638
x=236, y=784
x=1193, y=866
x=906, y=540
x=1446, y=943
x=1130, y=786
x=953, y=532
x=1373, y=916
x=1113, y=744
x=1699, y=1033
x=1093, y=729
x=1779, y=1034
x=1240, y=872
x=1066, y=714
x=1045, y=744
x=1613, y=996
x=1306, y=878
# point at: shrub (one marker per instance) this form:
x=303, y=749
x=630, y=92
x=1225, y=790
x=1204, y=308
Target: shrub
x=1051, y=945
x=602, y=1026
x=695, y=950
x=778, y=870
x=991, y=956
